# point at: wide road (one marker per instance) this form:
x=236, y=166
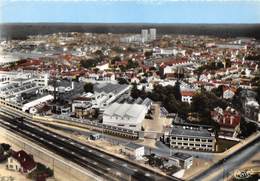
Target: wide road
x=226, y=167
x=101, y=163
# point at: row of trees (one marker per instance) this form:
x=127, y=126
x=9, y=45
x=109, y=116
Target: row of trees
x=170, y=97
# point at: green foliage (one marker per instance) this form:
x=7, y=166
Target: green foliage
x=209, y=67
x=203, y=103
x=115, y=59
x=131, y=64
x=148, y=54
x=167, y=95
x=246, y=128
x=218, y=91
x=177, y=91
x=89, y=63
x=122, y=81
x=228, y=63
x=88, y=87
x=40, y=171
x=135, y=93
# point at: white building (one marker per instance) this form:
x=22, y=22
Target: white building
x=106, y=93
x=144, y=35
x=103, y=66
x=190, y=137
x=36, y=102
x=125, y=115
x=182, y=160
x=133, y=150
x=152, y=34
x=186, y=96
x=41, y=79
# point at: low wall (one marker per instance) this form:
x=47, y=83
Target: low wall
x=64, y=170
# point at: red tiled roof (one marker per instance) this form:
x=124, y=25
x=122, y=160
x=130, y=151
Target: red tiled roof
x=26, y=160
x=187, y=93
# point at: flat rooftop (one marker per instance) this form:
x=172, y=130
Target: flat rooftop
x=182, y=156
x=190, y=131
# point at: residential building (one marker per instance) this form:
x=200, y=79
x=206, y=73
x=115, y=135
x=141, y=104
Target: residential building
x=228, y=92
x=22, y=162
x=144, y=35
x=228, y=120
x=152, y=34
x=186, y=96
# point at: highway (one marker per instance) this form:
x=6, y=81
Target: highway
x=226, y=167
x=105, y=165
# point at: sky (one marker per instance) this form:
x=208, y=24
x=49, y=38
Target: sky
x=130, y=11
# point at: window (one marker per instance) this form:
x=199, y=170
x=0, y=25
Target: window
x=197, y=139
x=179, y=138
x=179, y=143
x=186, y=139
x=132, y=125
x=120, y=125
x=191, y=139
x=185, y=143
x=210, y=140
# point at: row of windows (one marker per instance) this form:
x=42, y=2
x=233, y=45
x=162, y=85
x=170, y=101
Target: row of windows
x=192, y=148
x=192, y=139
x=192, y=144
x=131, y=125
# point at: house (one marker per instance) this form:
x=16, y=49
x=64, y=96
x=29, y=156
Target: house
x=22, y=162
x=228, y=119
x=181, y=160
x=228, y=92
x=129, y=116
x=186, y=96
x=103, y=66
x=133, y=150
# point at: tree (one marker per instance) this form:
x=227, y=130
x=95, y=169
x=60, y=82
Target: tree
x=148, y=54
x=246, y=128
x=115, y=59
x=218, y=91
x=134, y=91
x=88, y=63
x=88, y=87
x=122, y=81
x=177, y=91
x=228, y=63
x=5, y=146
x=131, y=64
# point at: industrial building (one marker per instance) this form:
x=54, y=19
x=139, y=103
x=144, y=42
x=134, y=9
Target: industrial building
x=125, y=115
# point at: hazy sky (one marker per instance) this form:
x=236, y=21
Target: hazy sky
x=127, y=11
